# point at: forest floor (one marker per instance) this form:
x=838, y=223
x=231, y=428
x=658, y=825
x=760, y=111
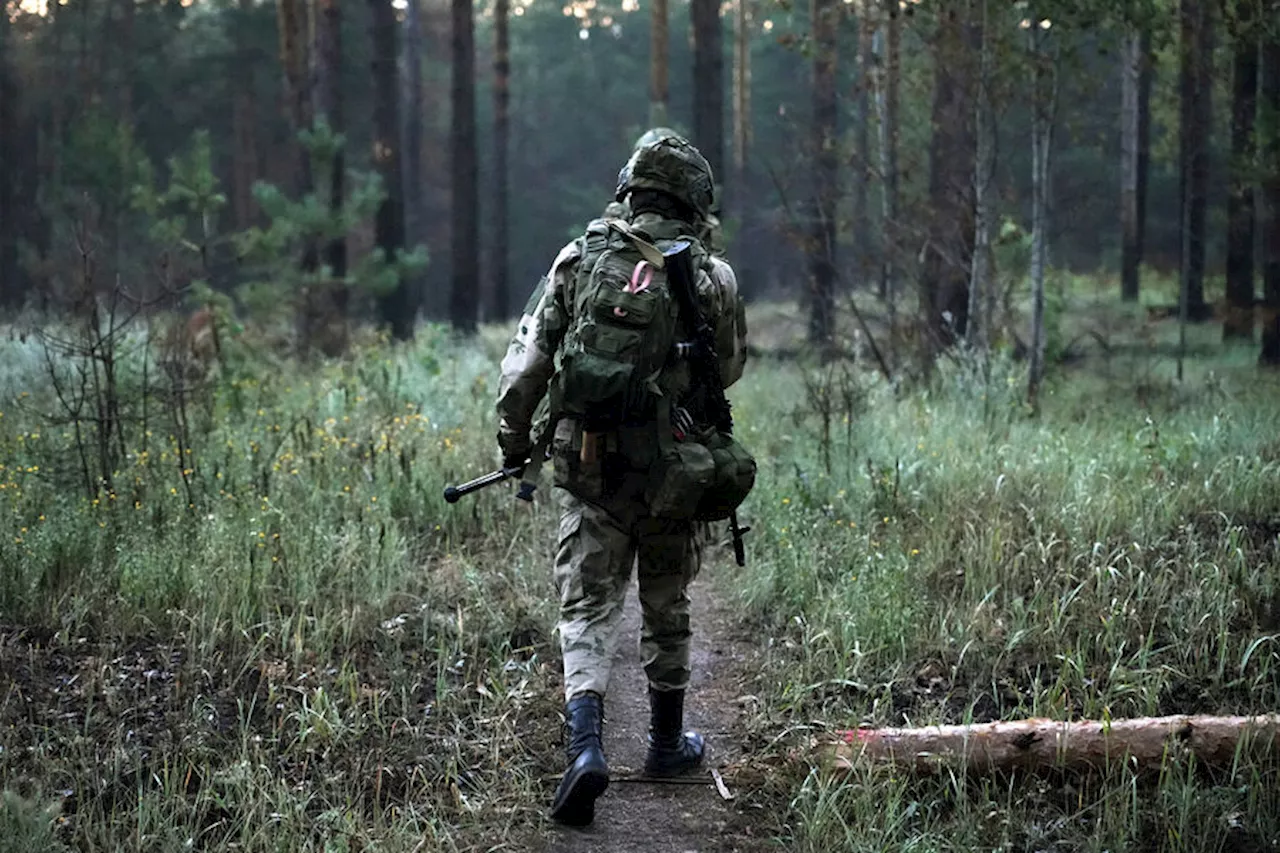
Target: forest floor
x=689, y=816
x=296, y=644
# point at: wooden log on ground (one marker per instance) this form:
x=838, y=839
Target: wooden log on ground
x=1142, y=743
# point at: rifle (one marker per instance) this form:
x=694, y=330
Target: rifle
x=707, y=391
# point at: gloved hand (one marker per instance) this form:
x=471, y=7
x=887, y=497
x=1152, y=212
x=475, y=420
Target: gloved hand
x=514, y=464
x=515, y=452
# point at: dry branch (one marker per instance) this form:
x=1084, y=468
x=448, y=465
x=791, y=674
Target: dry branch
x=1142, y=743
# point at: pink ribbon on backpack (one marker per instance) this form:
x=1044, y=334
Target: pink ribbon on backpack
x=637, y=284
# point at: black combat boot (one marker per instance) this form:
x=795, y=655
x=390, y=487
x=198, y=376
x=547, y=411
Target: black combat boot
x=671, y=751
x=588, y=775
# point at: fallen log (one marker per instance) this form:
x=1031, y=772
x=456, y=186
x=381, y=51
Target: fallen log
x=1142, y=743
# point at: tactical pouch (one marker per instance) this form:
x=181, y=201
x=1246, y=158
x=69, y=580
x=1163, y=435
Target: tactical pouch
x=583, y=478
x=733, y=477
x=679, y=479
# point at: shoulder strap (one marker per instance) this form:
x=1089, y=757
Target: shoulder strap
x=651, y=253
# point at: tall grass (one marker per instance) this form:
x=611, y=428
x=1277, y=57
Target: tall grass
x=286, y=639
x=953, y=559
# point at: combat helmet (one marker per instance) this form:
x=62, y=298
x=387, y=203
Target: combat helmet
x=673, y=166
x=655, y=134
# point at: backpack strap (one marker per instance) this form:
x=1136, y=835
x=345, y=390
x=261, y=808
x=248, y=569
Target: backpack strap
x=647, y=250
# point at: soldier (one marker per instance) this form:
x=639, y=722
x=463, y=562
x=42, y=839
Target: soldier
x=710, y=233
x=608, y=521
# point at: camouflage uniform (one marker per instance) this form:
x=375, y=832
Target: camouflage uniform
x=605, y=527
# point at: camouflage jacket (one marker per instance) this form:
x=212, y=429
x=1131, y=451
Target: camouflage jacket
x=530, y=361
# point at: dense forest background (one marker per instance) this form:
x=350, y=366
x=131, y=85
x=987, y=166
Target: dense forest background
x=508, y=124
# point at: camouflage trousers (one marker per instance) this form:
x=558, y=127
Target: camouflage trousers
x=599, y=544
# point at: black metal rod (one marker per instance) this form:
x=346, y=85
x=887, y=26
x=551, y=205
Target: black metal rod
x=453, y=493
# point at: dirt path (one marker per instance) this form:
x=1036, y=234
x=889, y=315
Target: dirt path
x=635, y=816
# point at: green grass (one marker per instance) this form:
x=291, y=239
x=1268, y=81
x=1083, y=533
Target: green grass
x=285, y=639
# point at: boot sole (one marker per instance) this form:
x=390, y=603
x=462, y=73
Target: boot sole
x=575, y=803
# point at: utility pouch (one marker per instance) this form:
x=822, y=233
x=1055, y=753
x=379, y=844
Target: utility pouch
x=678, y=480
x=733, y=477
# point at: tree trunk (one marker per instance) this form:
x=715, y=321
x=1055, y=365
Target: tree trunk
x=658, y=42
x=501, y=132
x=294, y=27
x=414, y=183
x=978, y=327
x=742, y=137
x=464, y=296
x=1135, y=153
x=397, y=308
x=887, y=89
x=1044, y=82
x=1195, y=113
x=1270, y=96
x=708, y=83
x=862, y=158
x=125, y=49
x=1238, y=320
x=10, y=293
x=944, y=296
x=825, y=176
x=1144, y=744
x=329, y=107
x=244, y=169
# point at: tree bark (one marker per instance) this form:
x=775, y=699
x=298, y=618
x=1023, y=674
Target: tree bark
x=887, y=110
x=1135, y=155
x=329, y=107
x=294, y=26
x=825, y=176
x=861, y=165
x=742, y=135
x=658, y=51
x=414, y=105
x=464, y=296
x=1269, y=93
x=1144, y=744
x=1238, y=319
x=1044, y=82
x=977, y=329
x=10, y=293
x=1195, y=114
x=501, y=133
x=708, y=83
x=944, y=296
x=244, y=168
x=397, y=308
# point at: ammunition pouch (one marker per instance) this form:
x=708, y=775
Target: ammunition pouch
x=732, y=480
